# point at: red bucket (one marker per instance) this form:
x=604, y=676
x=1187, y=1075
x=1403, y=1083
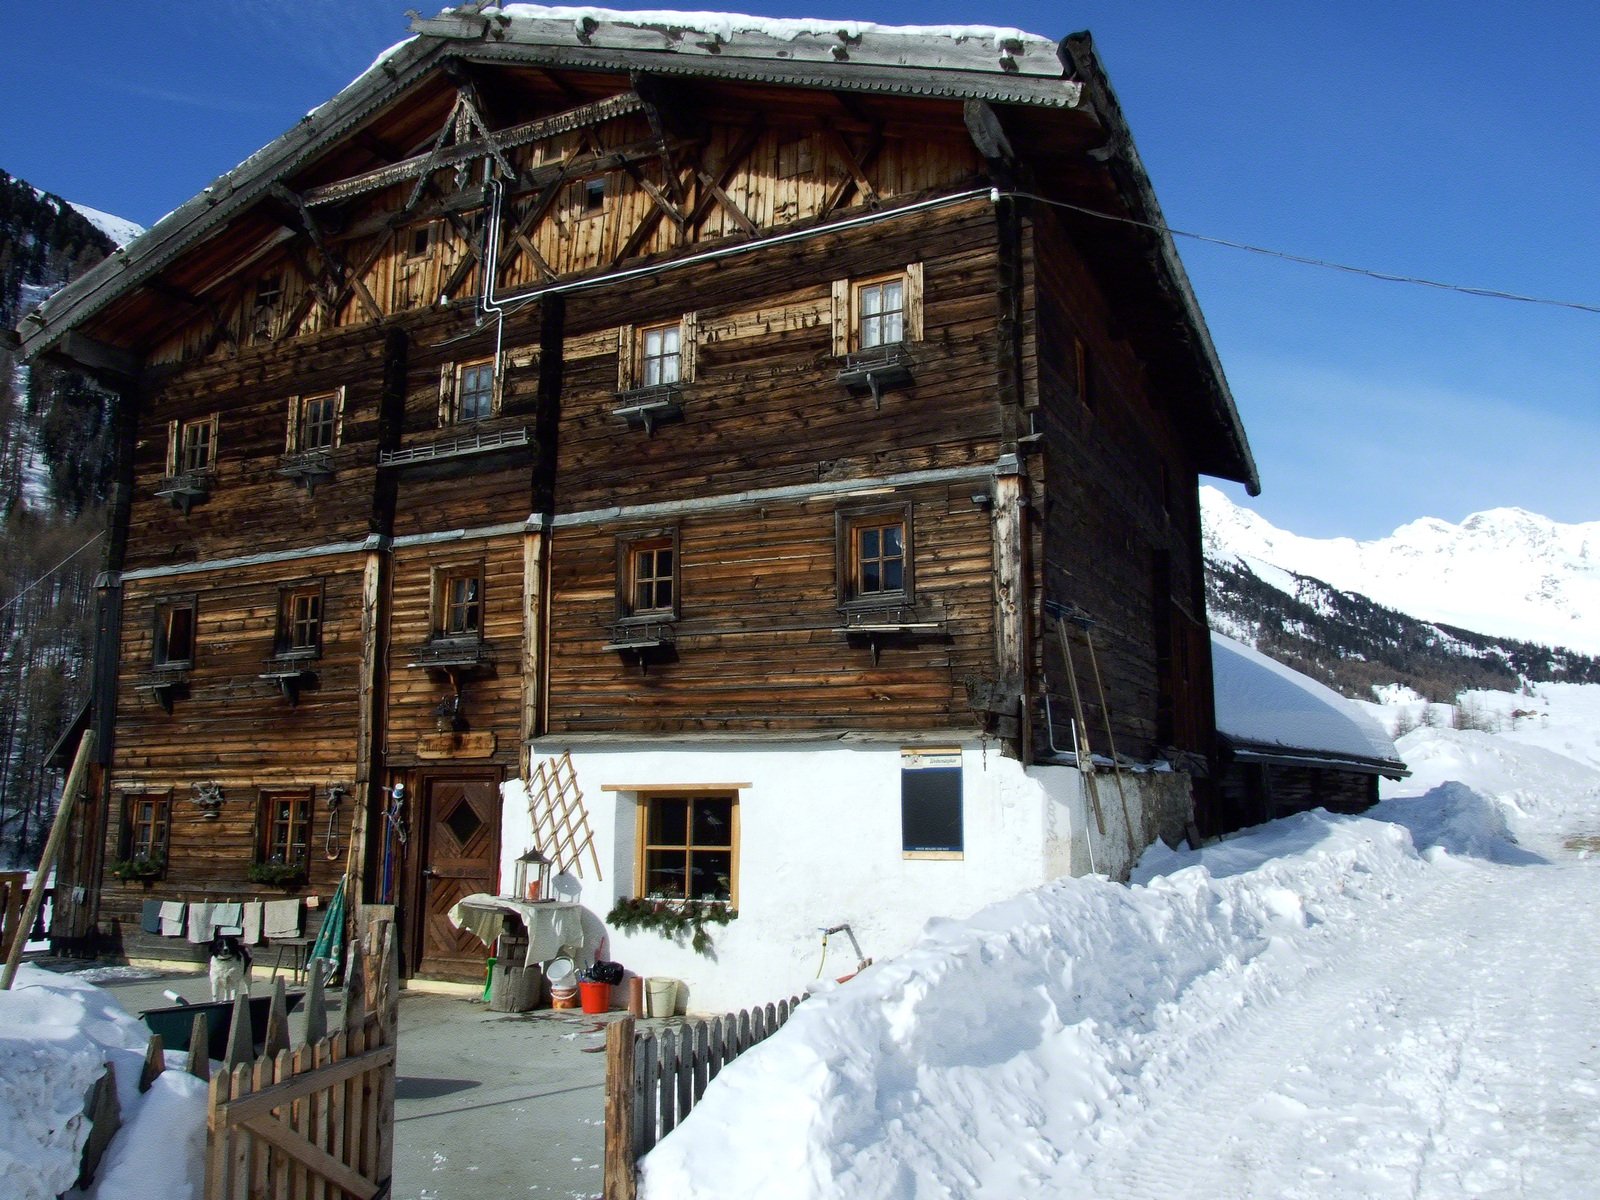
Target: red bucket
x=595, y=997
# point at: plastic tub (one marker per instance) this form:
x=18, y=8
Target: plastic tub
x=596, y=997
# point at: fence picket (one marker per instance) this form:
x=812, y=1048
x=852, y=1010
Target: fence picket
x=713, y=1048
x=668, y=1063
x=685, y=1072
x=649, y=1057
x=771, y=1012
x=702, y=1057
x=742, y=1039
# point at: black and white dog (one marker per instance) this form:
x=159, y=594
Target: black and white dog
x=230, y=967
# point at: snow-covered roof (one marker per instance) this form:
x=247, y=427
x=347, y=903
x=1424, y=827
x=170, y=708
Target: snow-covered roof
x=1268, y=710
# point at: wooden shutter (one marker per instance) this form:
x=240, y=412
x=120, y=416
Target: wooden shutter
x=447, y=393
x=841, y=317
x=291, y=439
x=688, y=338
x=914, y=302
x=174, y=433
x=625, y=368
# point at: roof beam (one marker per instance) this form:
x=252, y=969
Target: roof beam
x=584, y=116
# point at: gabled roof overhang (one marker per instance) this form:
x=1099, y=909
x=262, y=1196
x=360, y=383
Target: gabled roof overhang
x=1021, y=78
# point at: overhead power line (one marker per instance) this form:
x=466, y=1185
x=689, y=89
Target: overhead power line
x=1304, y=260
x=8, y=604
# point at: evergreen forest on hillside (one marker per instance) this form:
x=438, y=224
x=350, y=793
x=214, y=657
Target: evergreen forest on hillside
x=55, y=464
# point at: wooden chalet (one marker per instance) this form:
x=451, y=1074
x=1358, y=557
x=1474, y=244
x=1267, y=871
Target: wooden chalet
x=732, y=406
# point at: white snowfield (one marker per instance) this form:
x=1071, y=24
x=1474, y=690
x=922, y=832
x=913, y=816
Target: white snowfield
x=1395, y=1005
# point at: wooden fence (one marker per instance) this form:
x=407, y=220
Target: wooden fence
x=13, y=898
x=315, y=1122
x=654, y=1078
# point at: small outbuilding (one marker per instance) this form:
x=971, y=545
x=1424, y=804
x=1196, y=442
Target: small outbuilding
x=1288, y=743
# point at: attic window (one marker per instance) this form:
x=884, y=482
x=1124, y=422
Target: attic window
x=794, y=158
x=420, y=242
x=592, y=197
x=268, y=292
x=1083, y=373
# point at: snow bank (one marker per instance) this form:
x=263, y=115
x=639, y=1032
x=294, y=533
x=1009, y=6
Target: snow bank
x=57, y=1032
x=979, y=1062
x=56, y=1035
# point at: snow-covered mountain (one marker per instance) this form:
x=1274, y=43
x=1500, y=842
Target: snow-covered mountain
x=119, y=229
x=1505, y=572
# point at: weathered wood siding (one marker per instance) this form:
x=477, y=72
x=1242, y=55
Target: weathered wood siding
x=1122, y=501
x=758, y=644
x=492, y=693
x=230, y=727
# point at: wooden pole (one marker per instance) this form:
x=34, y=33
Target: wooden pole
x=52, y=847
x=620, y=1181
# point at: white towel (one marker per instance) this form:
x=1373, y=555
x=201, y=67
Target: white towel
x=172, y=918
x=281, y=919
x=252, y=923
x=201, y=926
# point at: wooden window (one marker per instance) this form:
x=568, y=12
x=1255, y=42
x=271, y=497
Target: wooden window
x=300, y=621
x=688, y=846
x=419, y=240
x=145, y=821
x=283, y=827
x=192, y=445
x=315, y=422
x=874, y=548
x=264, y=314
x=930, y=804
x=469, y=391
x=878, y=312
x=174, y=638
x=458, y=602
x=660, y=354
x=656, y=355
x=592, y=197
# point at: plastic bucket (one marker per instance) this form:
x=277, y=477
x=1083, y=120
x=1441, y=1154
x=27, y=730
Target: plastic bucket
x=663, y=996
x=564, y=997
x=596, y=997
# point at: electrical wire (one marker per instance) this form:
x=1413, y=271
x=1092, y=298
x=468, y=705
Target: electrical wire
x=7, y=605
x=1306, y=260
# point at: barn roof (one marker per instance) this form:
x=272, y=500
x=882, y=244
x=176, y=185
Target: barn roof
x=1023, y=77
x=1267, y=712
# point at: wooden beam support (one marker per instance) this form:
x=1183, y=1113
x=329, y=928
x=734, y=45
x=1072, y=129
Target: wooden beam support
x=100, y=359
x=989, y=136
x=442, y=155
x=713, y=193
x=857, y=169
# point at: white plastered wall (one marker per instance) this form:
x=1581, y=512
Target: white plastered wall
x=819, y=845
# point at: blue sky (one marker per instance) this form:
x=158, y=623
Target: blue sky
x=1451, y=141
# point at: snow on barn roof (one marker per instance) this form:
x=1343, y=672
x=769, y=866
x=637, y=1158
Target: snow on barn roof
x=1266, y=710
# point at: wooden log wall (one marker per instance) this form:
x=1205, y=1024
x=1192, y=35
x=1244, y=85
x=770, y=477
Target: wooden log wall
x=785, y=170
x=492, y=694
x=758, y=643
x=1111, y=509
x=230, y=727
x=1251, y=793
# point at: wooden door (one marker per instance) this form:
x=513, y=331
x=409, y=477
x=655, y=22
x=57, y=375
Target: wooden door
x=460, y=855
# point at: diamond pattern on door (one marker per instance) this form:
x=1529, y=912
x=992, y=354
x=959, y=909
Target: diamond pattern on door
x=461, y=823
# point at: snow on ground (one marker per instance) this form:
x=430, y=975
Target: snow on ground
x=57, y=1032
x=1399, y=1004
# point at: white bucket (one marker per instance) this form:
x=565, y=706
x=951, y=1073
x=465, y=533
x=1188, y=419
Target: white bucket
x=662, y=995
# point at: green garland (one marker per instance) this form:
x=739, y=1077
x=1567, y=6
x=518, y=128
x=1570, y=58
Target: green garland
x=144, y=869
x=672, y=919
x=277, y=874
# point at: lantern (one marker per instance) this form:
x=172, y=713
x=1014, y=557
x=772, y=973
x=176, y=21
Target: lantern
x=533, y=876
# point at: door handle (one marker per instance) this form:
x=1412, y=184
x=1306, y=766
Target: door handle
x=427, y=872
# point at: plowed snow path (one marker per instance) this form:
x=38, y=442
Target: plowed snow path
x=1448, y=1047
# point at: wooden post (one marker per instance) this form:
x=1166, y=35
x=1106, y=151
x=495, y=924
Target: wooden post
x=317, y=1001
x=620, y=1182
x=52, y=847
x=105, y=1118
x=277, y=1038
x=155, y=1062
x=241, y=1037
x=199, y=1063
